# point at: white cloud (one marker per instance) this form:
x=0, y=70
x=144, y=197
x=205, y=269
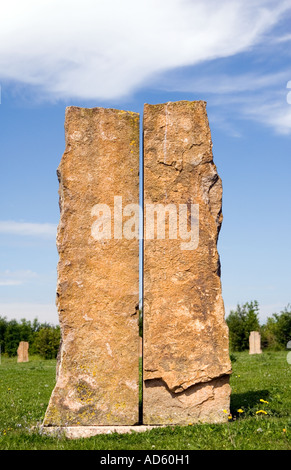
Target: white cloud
x=226, y=84
x=11, y=227
x=16, y=278
x=107, y=48
x=10, y=282
x=285, y=38
x=267, y=106
x=261, y=97
x=276, y=115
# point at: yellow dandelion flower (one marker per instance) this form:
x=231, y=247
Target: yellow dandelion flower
x=284, y=430
x=229, y=417
x=240, y=410
x=261, y=411
x=263, y=401
x=225, y=411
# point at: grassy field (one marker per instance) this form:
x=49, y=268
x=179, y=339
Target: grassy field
x=261, y=391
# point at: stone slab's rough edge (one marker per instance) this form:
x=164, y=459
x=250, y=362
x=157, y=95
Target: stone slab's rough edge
x=78, y=432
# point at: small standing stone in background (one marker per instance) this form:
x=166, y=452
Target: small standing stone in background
x=255, y=342
x=22, y=351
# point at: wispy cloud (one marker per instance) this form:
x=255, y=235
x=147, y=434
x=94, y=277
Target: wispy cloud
x=107, y=49
x=16, y=278
x=285, y=38
x=10, y=282
x=267, y=106
x=262, y=97
x=216, y=83
x=11, y=227
x=274, y=114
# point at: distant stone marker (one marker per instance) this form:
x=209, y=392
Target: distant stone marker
x=185, y=336
x=255, y=343
x=22, y=352
x=98, y=286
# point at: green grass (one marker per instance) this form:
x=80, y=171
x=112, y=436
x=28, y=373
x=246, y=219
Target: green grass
x=25, y=390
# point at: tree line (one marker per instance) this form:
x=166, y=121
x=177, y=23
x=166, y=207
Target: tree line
x=275, y=333
x=43, y=338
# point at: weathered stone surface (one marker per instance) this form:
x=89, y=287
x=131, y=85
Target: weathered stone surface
x=205, y=402
x=186, y=356
x=22, y=352
x=255, y=343
x=97, y=292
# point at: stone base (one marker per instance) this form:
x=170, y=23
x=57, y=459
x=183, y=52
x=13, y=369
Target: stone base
x=207, y=402
x=78, y=432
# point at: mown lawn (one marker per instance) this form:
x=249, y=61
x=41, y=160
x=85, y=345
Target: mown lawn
x=260, y=383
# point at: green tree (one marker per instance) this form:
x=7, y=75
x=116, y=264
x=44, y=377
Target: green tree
x=3, y=327
x=235, y=322
x=12, y=337
x=277, y=331
x=26, y=331
x=46, y=342
x=241, y=322
x=269, y=340
x=283, y=330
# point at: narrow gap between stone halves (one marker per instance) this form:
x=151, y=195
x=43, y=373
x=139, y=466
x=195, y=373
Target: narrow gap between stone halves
x=141, y=247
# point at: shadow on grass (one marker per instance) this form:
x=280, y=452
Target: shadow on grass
x=247, y=401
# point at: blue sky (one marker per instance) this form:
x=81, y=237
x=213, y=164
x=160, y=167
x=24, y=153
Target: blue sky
x=233, y=54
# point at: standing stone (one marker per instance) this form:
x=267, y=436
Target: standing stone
x=186, y=355
x=22, y=352
x=98, y=287
x=255, y=343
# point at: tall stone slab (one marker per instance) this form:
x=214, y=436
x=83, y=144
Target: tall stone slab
x=255, y=343
x=98, y=291
x=22, y=352
x=186, y=356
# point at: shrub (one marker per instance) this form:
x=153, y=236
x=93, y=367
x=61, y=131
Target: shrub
x=43, y=338
x=241, y=322
x=46, y=342
x=277, y=331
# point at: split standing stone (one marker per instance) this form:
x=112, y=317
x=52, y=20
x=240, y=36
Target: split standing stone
x=98, y=292
x=186, y=356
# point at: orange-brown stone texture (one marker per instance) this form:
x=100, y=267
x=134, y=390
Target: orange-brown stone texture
x=22, y=352
x=97, y=291
x=186, y=356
